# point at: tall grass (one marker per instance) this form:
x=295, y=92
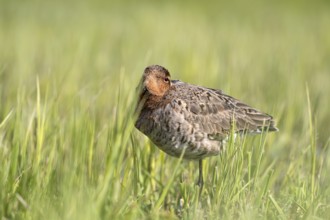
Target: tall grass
x=68, y=73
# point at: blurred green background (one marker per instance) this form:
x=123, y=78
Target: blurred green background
x=68, y=73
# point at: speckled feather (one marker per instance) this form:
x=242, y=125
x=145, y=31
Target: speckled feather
x=200, y=119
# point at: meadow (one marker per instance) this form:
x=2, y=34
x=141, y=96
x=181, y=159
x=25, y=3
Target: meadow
x=68, y=77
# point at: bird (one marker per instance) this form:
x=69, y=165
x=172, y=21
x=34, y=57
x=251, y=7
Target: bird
x=182, y=118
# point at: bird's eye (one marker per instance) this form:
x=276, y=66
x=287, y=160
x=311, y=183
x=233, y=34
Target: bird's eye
x=166, y=79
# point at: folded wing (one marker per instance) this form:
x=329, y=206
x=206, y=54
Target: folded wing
x=216, y=113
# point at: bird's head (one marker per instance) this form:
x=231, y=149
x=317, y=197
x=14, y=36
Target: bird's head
x=155, y=80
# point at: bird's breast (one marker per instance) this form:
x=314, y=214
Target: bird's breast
x=168, y=129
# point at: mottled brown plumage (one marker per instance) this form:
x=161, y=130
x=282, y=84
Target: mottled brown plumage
x=176, y=116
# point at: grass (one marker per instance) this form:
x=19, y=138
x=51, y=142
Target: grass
x=68, y=73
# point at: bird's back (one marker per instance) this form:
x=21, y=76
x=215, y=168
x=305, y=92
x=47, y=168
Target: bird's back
x=217, y=112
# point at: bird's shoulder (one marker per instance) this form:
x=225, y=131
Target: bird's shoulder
x=199, y=100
